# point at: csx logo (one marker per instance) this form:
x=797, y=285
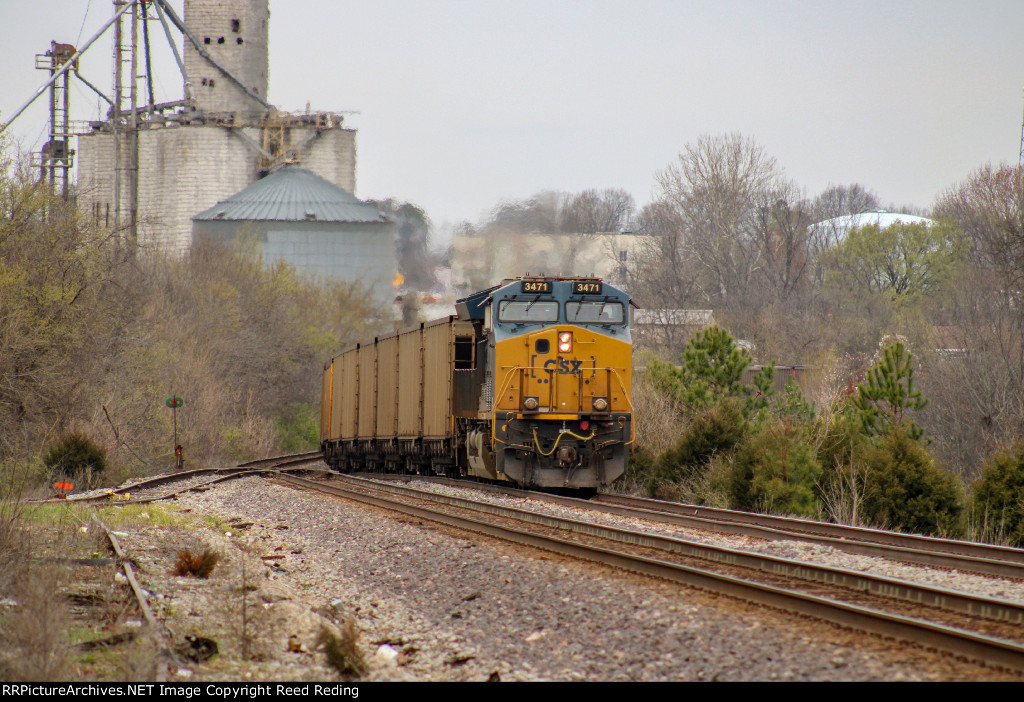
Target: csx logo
x=564, y=366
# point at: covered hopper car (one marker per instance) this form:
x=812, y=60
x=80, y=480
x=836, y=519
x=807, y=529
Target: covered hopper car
x=529, y=383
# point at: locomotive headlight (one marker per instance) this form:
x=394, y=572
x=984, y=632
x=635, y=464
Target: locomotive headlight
x=564, y=342
x=531, y=404
x=600, y=404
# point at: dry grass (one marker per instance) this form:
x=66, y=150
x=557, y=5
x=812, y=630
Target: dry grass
x=658, y=420
x=199, y=566
x=13, y=543
x=343, y=652
x=34, y=646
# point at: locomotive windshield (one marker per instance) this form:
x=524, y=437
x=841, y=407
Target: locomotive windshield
x=594, y=312
x=528, y=311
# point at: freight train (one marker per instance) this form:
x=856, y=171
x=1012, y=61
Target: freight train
x=529, y=383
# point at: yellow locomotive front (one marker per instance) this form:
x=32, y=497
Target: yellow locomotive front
x=560, y=356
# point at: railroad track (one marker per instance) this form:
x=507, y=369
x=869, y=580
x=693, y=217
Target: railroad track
x=141, y=599
x=833, y=533
x=951, y=554
x=166, y=486
x=978, y=628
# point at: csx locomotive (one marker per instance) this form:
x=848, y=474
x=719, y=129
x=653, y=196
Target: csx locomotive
x=528, y=383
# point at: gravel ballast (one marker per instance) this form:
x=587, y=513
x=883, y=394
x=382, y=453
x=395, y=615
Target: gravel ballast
x=975, y=584
x=431, y=603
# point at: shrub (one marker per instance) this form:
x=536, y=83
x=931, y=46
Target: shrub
x=638, y=468
x=999, y=497
x=678, y=472
x=716, y=429
x=906, y=490
x=776, y=470
x=77, y=457
x=299, y=428
x=842, y=453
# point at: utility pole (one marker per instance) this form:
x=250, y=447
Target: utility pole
x=115, y=114
x=133, y=139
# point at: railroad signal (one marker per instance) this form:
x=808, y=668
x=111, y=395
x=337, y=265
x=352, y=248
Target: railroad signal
x=174, y=402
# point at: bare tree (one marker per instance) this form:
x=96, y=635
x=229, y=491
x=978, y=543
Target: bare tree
x=542, y=213
x=839, y=200
x=834, y=203
x=989, y=208
x=975, y=376
x=713, y=189
x=782, y=235
x=550, y=232
x=592, y=211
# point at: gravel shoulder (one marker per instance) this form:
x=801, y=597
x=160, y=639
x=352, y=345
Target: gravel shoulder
x=432, y=604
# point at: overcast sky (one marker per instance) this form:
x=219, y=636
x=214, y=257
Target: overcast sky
x=462, y=104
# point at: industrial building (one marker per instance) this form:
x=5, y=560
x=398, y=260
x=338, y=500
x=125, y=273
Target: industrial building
x=295, y=216
x=150, y=168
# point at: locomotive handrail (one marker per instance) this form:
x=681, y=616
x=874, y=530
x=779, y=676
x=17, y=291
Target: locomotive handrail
x=508, y=379
x=629, y=402
x=513, y=371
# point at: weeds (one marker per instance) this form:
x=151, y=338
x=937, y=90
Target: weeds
x=343, y=652
x=13, y=541
x=140, y=515
x=199, y=566
x=34, y=646
x=244, y=618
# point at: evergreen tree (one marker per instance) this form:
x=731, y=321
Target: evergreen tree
x=883, y=400
x=713, y=369
x=999, y=497
x=775, y=470
x=907, y=491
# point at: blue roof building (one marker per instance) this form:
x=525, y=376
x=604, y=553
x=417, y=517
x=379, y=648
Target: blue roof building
x=298, y=217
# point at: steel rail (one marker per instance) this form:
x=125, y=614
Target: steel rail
x=878, y=585
x=282, y=460
x=907, y=552
x=977, y=647
x=141, y=598
x=224, y=474
x=243, y=469
x=841, y=531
